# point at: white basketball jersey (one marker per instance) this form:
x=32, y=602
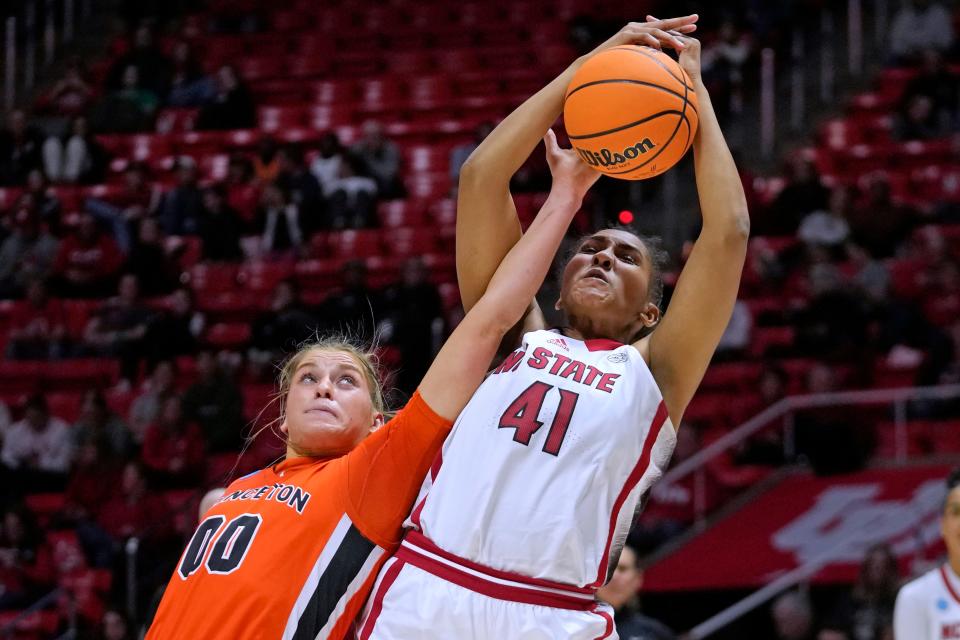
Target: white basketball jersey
x=548, y=464
x=928, y=608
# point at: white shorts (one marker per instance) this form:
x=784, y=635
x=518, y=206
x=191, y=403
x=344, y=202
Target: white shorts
x=424, y=593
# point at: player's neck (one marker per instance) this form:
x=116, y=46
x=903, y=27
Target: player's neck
x=588, y=329
x=954, y=564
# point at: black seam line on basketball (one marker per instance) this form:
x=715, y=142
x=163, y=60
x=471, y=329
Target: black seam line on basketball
x=662, y=148
x=657, y=62
x=629, y=81
x=626, y=126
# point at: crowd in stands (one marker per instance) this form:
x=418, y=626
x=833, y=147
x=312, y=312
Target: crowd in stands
x=113, y=253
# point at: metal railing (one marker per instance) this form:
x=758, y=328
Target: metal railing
x=784, y=411
x=35, y=29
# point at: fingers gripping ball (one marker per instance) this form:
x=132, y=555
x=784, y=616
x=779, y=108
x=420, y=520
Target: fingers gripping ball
x=631, y=112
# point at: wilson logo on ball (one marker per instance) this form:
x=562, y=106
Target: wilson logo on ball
x=607, y=158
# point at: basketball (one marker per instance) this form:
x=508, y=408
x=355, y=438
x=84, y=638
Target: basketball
x=631, y=112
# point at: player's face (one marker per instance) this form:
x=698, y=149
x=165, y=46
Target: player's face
x=607, y=280
x=950, y=525
x=328, y=408
x=625, y=582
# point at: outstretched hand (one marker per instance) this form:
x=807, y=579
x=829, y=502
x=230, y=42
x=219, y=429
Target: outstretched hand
x=689, y=51
x=653, y=33
x=569, y=172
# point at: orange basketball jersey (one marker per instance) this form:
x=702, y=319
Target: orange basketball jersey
x=292, y=551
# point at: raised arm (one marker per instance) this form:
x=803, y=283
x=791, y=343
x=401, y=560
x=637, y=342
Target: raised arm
x=463, y=361
x=681, y=347
x=487, y=225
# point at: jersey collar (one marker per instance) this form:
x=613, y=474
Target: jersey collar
x=593, y=344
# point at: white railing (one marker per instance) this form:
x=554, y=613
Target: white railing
x=22, y=46
x=786, y=409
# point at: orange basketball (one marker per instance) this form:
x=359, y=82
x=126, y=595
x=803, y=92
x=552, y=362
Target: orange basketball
x=631, y=112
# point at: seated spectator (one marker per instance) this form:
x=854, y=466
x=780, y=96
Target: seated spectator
x=26, y=561
x=37, y=448
x=114, y=626
x=118, y=329
x=242, y=193
x=145, y=409
x=735, y=340
x=173, y=448
x=792, y=616
x=153, y=67
x=879, y=224
x=803, y=194
x=623, y=594
x=87, y=263
x=266, y=162
x=97, y=423
x=355, y=306
x=671, y=508
x=215, y=402
x=917, y=26
x=20, y=150
x=45, y=200
x=134, y=509
x=75, y=158
x=279, y=330
x=919, y=120
x=221, y=228
x=181, y=208
x=304, y=189
x=129, y=109
x=766, y=447
x=232, y=104
x=833, y=439
x=156, y=267
x=381, y=159
x=828, y=229
x=38, y=326
x=279, y=222
x=415, y=313
x=722, y=63
x=937, y=82
x=189, y=85
x=139, y=198
x=352, y=197
x=834, y=323
x=177, y=331
x=29, y=253
x=72, y=94
x=93, y=480
x=866, y=612
x=460, y=153
x=326, y=166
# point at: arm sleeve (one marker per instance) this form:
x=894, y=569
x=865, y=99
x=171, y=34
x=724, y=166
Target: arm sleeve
x=385, y=472
x=909, y=617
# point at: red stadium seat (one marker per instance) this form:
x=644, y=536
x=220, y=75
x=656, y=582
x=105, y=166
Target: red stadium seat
x=213, y=277
x=238, y=306
x=225, y=335
x=412, y=241
x=263, y=276
x=402, y=213
x=353, y=243
x=273, y=118
x=260, y=67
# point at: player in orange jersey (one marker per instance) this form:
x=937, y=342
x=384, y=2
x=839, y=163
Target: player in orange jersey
x=291, y=551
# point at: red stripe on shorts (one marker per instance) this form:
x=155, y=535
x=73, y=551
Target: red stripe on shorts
x=389, y=576
x=484, y=586
x=417, y=539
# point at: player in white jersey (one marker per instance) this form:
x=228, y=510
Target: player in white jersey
x=525, y=511
x=929, y=607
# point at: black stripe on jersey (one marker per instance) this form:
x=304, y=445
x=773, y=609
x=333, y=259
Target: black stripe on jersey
x=343, y=568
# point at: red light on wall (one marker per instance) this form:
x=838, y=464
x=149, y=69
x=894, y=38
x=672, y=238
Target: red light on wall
x=625, y=217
